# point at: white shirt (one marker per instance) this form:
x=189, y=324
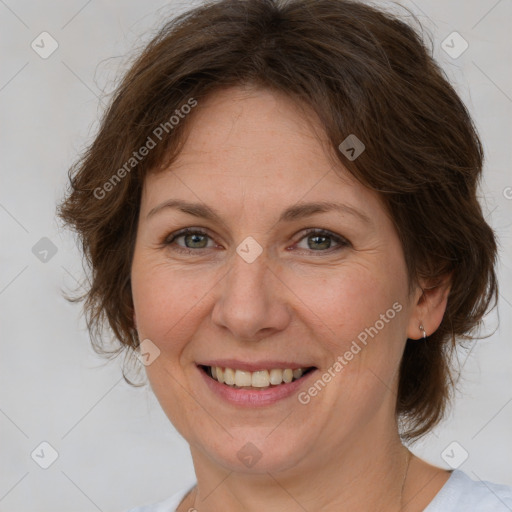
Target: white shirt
x=459, y=494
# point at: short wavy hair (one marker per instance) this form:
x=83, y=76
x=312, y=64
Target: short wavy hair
x=363, y=71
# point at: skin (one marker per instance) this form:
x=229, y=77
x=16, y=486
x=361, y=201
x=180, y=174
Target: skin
x=250, y=154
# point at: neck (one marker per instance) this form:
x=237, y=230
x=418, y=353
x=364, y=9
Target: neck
x=366, y=474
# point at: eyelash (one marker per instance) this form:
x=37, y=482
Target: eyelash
x=170, y=240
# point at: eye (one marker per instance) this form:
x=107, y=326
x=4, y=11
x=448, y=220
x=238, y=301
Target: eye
x=193, y=239
x=320, y=240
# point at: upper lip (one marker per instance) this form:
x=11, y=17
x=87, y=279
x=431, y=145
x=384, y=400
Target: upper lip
x=253, y=366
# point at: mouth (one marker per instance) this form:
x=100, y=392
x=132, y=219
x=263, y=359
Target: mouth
x=256, y=380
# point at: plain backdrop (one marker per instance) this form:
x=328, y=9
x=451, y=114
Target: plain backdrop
x=115, y=448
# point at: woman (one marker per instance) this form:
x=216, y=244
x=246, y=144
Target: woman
x=281, y=217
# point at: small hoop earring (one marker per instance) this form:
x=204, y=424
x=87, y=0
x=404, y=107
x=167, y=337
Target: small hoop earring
x=423, y=329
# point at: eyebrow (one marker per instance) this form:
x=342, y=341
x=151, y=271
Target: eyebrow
x=295, y=212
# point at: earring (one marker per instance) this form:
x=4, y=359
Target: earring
x=423, y=329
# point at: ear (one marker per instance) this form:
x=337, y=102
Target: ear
x=430, y=306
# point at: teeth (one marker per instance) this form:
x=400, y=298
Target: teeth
x=258, y=379
x=287, y=375
x=229, y=376
x=243, y=378
x=276, y=376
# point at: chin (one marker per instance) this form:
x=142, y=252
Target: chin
x=255, y=452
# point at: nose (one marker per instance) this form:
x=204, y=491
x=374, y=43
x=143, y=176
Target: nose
x=251, y=300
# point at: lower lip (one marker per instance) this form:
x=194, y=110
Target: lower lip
x=254, y=398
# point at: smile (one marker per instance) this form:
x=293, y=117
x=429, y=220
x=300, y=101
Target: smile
x=261, y=379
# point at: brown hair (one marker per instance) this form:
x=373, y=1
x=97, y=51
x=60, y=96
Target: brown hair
x=363, y=72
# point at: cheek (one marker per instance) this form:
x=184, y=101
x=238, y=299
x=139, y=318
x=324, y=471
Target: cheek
x=166, y=302
x=167, y=305
x=347, y=304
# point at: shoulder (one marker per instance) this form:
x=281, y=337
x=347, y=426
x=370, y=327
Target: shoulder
x=460, y=492
x=168, y=505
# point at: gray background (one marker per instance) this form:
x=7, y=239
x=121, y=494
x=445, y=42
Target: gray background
x=115, y=446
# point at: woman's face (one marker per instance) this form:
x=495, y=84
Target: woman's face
x=266, y=285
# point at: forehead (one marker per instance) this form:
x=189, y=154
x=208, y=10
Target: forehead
x=257, y=126
x=260, y=147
